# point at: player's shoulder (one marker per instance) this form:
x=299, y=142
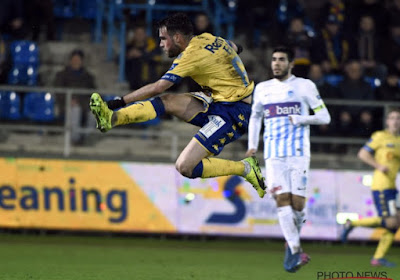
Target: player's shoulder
x=201, y=45
x=265, y=84
x=202, y=39
x=303, y=81
x=379, y=134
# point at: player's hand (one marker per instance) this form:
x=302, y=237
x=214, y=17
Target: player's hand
x=250, y=153
x=116, y=103
x=294, y=119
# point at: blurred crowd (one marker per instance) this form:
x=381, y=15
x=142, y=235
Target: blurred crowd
x=349, y=48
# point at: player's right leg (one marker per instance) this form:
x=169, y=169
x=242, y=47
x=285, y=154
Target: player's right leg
x=194, y=162
x=101, y=112
x=254, y=175
x=182, y=106
x=138, y=112
x=347, y=228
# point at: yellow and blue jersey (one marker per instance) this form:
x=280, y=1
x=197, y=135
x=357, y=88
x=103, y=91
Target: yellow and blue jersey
x=386, y=149
x=215, y=66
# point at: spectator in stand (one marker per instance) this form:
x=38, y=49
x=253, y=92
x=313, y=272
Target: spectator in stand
x=353, y=87
x=40, y=12
x=338, y=9
x=316, y=74
x=75, y=75
x=391, y=46
x=299, y=40
x=373, y=8
x=256, y=19
x=202, y=24
x=11, y=18
x=331, y=49
x=143, y=57
x=327, y=92
x=368, y=45
x=5, y=61
x=393, y=9
x=390, y=89
x=366, y=125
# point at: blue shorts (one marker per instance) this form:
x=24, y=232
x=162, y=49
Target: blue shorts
x=385, y=202
x=222, y=123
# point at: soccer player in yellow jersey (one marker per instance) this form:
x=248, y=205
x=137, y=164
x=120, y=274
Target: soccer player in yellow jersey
x=221, y=109
x=382, y=152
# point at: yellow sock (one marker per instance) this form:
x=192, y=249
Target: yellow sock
x=214, y=167
x=384, y=244
x=368, y=222
x=136, y=113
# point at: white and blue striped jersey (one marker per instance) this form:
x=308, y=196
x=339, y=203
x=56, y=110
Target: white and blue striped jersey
x=274, y=101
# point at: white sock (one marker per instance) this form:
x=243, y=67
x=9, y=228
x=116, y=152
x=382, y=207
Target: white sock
x=287, y=221
x=300, y=218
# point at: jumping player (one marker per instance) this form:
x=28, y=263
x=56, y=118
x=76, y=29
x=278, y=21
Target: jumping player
x=222, y=109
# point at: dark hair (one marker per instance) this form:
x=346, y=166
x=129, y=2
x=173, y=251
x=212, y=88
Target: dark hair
x=177, y=23
x=391, y=110
x=288, y=51
x=77, y=52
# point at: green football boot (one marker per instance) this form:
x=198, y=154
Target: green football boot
x=255, y=177
x=101, y=112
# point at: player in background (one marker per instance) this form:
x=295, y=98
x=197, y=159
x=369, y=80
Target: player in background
x=222, y=109
x=382, y=152
x=283, y=104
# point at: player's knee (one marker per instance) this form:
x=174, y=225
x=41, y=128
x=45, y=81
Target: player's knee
x=184, y=169
x=392, y=223
x=167, y=100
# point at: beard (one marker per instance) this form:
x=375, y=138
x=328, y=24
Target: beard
x=174, y=51
x=283, y=75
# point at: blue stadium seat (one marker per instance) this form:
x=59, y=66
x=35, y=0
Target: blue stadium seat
x=333, y=79
x=10, y=104
x=39, y=106
x=23, y=75
x=24, y=53
x=374, y=82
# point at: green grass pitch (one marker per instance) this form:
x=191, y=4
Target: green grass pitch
x=53, y=257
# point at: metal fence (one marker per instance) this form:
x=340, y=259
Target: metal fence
x=171, y=139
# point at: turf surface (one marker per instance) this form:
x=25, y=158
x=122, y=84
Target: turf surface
x=53, y=257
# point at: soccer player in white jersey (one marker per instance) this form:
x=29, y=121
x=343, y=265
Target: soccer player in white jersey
x=283, y=103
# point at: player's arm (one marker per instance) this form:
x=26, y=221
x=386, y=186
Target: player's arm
x=321, y=114
x=238, y=48
x=366, y=155
x=148, y=91
x=143, y=93
x=255, y=125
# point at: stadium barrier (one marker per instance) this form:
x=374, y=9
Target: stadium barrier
x=129, y=197
x=170, y=137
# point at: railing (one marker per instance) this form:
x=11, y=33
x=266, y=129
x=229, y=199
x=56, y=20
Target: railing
x=174, y=136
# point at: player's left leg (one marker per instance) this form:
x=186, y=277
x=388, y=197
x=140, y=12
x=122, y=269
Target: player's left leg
x=291, y=224
x=221, y=124
x=385, y=202
x=194, y=162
